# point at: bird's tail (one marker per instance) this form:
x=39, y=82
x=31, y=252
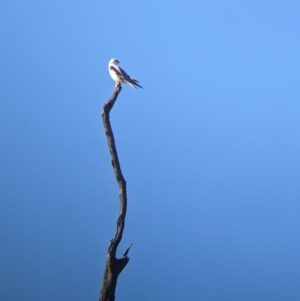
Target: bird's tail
x=134, y=83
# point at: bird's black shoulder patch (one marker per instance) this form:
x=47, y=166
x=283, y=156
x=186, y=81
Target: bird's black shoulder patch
x=114, y=69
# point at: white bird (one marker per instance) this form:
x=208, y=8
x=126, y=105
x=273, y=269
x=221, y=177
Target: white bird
x=119, y=75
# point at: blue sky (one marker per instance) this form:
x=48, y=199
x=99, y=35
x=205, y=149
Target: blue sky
x=210, y=149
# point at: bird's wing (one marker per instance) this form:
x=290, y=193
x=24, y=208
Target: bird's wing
x=120, y=73
x=116, y=69
x=123, y=76
x=131, y=81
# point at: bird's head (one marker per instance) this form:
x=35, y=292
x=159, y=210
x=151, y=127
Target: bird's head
x=114, y=62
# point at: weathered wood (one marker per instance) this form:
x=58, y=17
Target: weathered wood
x=114, y=266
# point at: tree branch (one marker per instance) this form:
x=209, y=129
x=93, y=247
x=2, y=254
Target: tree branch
x=114, y=266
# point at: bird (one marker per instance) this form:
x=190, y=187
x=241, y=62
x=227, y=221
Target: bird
x=119, y=75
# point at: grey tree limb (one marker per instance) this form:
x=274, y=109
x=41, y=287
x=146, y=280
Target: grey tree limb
x=113, y=265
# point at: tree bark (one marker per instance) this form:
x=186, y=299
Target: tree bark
x=113, y=265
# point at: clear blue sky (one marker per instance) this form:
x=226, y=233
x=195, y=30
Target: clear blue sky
x=210, y=149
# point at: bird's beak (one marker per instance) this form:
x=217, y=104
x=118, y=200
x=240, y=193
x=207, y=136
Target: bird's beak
x=117, y=61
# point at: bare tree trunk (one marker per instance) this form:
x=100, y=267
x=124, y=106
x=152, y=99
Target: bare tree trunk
x=114, y=266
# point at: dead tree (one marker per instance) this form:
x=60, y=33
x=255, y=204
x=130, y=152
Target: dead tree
x=113, y=265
